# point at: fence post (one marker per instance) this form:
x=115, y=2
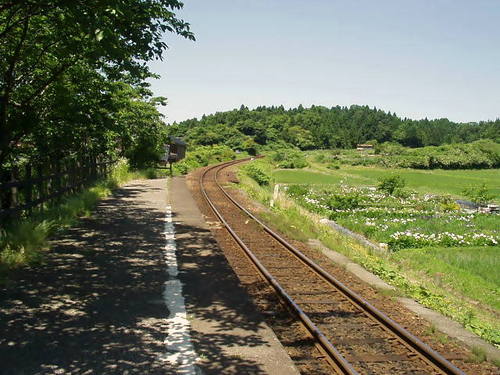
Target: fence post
x=28, y=188
x=40, y=186
x=5, y=197
x=56, y=167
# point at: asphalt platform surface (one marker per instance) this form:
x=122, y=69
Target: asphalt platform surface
x=95, y=306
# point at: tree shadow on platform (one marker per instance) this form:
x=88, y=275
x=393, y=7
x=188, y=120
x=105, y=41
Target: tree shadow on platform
x=215, y=297
x=94, y=306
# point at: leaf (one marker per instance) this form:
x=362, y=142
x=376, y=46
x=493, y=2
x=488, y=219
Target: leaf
x=99, y=35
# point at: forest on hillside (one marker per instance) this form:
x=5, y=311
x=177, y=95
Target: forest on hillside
x=320, y=127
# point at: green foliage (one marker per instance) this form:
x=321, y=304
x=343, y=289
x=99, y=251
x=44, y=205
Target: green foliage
x=479, y=194
x=74, y=79
x=257, y=171
x=337, y=127
x=299, y=137
x=288, y=158
x=412, y=221
x=390, y=148
x=344, y=201
x=333, y=166
x=297, y=191
x=391, y=184
x=439, y=143
x=319, y=158
x=475, y=155
x=448, y=204
x=202, y=156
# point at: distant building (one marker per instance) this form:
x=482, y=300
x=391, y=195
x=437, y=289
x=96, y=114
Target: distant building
x=174, y=151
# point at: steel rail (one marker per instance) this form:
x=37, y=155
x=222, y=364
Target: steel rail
x=420, y=347
x=339, y=362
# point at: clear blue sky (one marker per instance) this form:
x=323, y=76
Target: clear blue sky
x=418, y=58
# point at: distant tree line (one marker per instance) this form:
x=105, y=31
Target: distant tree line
x=73, y=78
x=320, y=127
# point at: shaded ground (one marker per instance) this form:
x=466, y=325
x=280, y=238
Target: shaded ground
x=94, y=307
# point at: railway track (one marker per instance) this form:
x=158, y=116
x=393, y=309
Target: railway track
x=354, y=336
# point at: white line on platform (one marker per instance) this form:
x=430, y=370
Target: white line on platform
x=179, y=348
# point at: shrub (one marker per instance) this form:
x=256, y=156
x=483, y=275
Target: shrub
x=344, y=201
x=203, y=156
x=319, y=158
x=391, y=184
x=333, y=166
x=479, y=194
x=297, y=190
x=390, y=148
x=288, y=158
x=258, y=173
x=448, y=204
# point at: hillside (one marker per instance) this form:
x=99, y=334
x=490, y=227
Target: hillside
x=319, y=127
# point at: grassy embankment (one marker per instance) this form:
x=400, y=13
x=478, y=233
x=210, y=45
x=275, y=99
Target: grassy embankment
x=460, y=281
x=25, y=242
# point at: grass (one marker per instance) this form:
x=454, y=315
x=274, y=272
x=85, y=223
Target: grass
x=294, y=176
x=435, y=181
x=461, y=283
x=478, y=355
x=25, y=242
x=469, y=271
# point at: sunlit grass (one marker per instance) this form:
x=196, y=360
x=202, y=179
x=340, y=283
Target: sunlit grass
x=294, y=176
x=470, y=271
x=436, y=181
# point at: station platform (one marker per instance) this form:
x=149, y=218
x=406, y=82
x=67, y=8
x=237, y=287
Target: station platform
x=137, y=287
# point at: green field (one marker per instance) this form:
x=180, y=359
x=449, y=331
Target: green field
x=297, y=176
x=435, y=181
x=463, y=274
x=471, y=271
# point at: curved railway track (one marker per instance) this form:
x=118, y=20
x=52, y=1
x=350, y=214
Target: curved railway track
x=355, y=337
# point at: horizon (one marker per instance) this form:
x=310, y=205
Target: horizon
x=426, y=59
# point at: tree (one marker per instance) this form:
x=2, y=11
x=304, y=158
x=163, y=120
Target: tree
x=342, y=127
x=300, y=137
x=46, y=45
